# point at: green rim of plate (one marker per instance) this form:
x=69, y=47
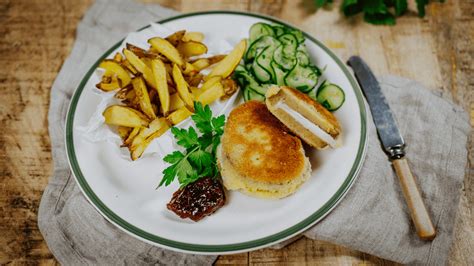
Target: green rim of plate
x=312, y=219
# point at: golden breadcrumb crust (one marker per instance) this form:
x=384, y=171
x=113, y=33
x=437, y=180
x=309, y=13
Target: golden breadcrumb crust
x=259, y=146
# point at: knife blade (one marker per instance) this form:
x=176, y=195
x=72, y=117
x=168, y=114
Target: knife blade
x=387, y=129
x=394, y=146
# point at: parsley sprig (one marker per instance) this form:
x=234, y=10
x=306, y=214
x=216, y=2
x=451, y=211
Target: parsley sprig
x=377, y=11
x=199, y=158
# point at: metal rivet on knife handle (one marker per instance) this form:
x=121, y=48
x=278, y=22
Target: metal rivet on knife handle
x=394, y=146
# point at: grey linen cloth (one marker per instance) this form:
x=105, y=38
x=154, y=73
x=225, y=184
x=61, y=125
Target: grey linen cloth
x=372, y=218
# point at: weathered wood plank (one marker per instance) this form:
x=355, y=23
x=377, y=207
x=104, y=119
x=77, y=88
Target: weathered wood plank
x=36, y=36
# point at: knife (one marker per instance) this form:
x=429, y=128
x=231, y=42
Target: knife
x=394, y=146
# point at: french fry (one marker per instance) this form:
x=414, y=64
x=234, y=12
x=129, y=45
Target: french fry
x=122, y=93
x=201, y=64
x=124, y=132
x=124, y=116
x=171, y=87
x=210, y=95
x=230, y=87
x=162, y=80
x=176, y=37
x=194, y=80
x=227, y=65
x=125, y=63
x=188, y=49
x=216, y=58
x=142, y=53
x=113, y=85
x=155, y=129
x=182, y=88
x=159, y=74
x=131, y=97
x=147, y=61
x=117, y=69
x=136, y=50
x=169, y=74
x=189, y=69
x=118, y=57
x=154, y=107
x=140, y=66
x=193, y=36
x=210, y=82
x=167, y=49
x=153, y=95
x=131, y=136
x=175, y=102
x=143, y=97
x=107, y=77
x=179, y=115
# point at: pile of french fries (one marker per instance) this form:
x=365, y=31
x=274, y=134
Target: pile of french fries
x=158, y=86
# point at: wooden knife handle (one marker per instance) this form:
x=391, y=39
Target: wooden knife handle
x=418, y=212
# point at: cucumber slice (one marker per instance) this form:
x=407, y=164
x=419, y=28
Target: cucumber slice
x=245, y=92
x=279, y=74
x=290, y=44
x=278, y=29
x=313, y=92
x=261, y=73
x=260, y=89
x=239, y=69
x=246, y=78
x=302, y=78
x=289, y=39
x=316, y=69
x=261, y=66
x=283, y=60
x=248, y=66
x=302, y=48
x=299, y=35
x=258, y=30
x=330, y=96
x=250, y=94
x=264, y=60
x=260, y=44
x=302, y=58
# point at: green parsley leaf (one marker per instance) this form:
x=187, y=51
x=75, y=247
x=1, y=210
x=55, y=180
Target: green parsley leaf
x=185, y=171
x=321, y=3
x=218, y=124
x=174, y=157
x=399, y=5
x=199, y=158
x=185, y=138
x=420, y=5
x=351, y=7
x=378, y=12
x=202, y=118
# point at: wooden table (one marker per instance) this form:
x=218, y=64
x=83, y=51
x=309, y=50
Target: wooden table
x=37, y=35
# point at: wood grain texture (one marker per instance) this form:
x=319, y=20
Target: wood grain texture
x=36, y=36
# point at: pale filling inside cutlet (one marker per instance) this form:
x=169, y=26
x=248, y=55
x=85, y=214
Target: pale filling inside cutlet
x=304, y=122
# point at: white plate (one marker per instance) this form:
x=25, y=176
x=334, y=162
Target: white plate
x=124, y=191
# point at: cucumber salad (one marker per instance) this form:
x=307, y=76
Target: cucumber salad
x=277, y=55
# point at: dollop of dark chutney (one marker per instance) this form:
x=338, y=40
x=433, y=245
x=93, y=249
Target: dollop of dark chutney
x=198, y=199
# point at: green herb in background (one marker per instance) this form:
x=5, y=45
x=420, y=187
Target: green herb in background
x=377, y=12
x=199, y=159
